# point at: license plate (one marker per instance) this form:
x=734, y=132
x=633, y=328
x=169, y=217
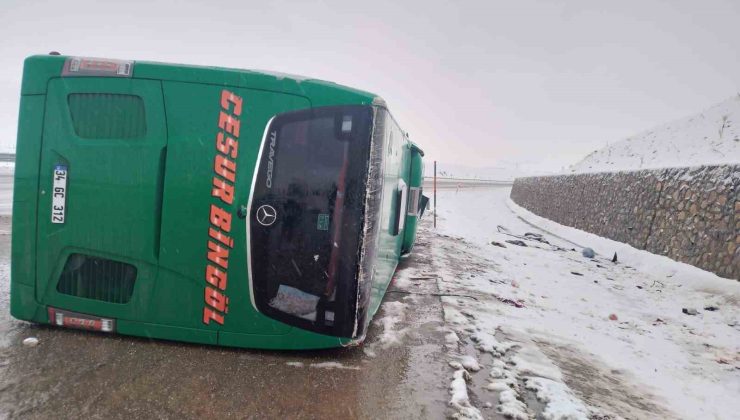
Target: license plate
x=80, y=321
x=59, y=194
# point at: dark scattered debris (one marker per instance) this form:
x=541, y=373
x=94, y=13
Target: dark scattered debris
x=588, y=253
x=614, y=258
x=576, y=273
x=515, y=303
x=499, y=244
x=639, y=287
x=690, y=311
x=516, y=242
x=536, y=237
x=711, y=308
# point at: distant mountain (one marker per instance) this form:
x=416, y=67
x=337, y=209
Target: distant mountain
x=711, y=137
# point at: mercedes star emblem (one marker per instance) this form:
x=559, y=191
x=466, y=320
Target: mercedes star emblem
x=266, y=215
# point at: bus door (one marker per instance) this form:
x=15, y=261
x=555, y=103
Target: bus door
x=100, y=190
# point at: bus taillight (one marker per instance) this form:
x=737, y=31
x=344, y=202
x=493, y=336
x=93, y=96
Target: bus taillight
x=80, y=321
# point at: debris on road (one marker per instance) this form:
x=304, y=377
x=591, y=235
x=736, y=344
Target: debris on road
x=690, y=311
x=515, y=303
x=536, y=237
x=658, y=321
x=711, y=308
x=516, y=242
x=613, y=317
x=576, y=273
x=588, y=253
x=499, y=244
x=31, y=342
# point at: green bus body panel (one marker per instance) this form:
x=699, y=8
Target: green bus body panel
x=113, y=186
x=192, y=115
x=145, y=200
x=25, y=199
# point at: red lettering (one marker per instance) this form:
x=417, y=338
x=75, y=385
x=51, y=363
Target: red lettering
x=223, y=190
x=219, y=236
x=227, y=145
x=225, y=167
x=216, y=277
x=229, y=97
x=216, y=299
x=209, y=314
x=219, y=244
x=218, y=254
x=220, y=218
x=228, y=123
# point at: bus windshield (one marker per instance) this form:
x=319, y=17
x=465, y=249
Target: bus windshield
x=306, y=217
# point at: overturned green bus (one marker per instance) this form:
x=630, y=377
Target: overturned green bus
x=208, y=205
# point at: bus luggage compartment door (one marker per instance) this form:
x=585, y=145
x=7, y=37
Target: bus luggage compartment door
x=100, y=190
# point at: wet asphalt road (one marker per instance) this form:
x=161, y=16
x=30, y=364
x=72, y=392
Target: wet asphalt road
x=73, y=374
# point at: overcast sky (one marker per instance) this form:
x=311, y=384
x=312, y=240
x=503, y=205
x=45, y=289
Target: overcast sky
x=474, y=83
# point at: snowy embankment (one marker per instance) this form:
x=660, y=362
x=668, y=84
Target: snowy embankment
x=540, y=330
x=709, y=138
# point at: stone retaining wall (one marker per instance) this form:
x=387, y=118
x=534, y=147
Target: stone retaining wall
x=691, y=215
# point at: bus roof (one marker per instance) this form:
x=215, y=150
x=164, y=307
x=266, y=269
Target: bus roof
x=40, y=68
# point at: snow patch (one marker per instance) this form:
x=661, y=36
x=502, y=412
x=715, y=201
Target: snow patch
x=470, y=363
x=510, y=406
x=529, y=360
x=459, y=397
x=332, y=365
x=488, y=343
x=393, y=315
x=451, y=338
x=560, y=402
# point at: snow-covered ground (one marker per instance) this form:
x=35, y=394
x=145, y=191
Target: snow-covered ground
x=540, y=330
x=6, y=187
x=710, y=137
